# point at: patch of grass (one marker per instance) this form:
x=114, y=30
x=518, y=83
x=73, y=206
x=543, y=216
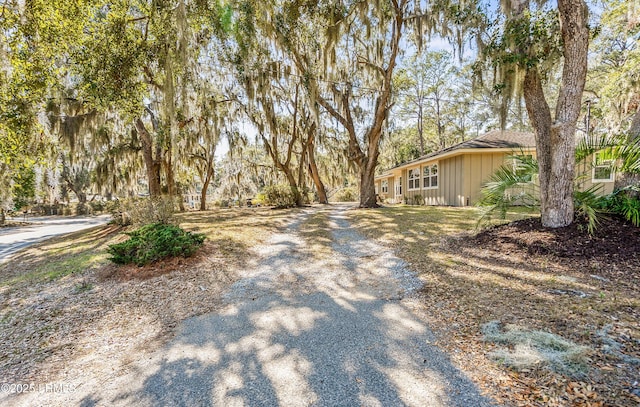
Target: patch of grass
x=58, y=268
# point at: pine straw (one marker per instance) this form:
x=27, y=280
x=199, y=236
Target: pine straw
x=66, y=310
x=470, y=281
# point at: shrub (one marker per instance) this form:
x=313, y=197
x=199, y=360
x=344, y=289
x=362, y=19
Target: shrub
x=589, y=207
x=142, y=211
x=97, y=206
x=418, y=200
x=260, y=199
x=623, y=202
x=154, y=242
x=83, y=209
x=279, y=195
x=347, y=194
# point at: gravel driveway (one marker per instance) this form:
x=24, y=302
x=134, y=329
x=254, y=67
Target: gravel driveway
x=302, y=327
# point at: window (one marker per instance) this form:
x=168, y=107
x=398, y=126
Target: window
x=602, y=170
x=430, y=176
x=414, y=179
x=399, y=187
x=384, y=186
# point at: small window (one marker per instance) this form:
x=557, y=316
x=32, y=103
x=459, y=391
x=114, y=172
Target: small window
x=602, y=170
x=430, y=176
x=384, y=185
x=414, y=179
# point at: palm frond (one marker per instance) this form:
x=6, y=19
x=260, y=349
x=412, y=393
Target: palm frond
x=510, y=185
x=589, y=205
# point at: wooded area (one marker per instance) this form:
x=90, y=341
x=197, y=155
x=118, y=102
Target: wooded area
x=111, y=99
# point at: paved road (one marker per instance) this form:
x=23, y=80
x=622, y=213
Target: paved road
x=12, y=240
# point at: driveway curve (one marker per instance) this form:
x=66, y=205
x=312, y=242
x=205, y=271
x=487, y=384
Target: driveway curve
x=14, y=239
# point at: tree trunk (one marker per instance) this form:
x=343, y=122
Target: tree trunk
x=366, y=162
x=205, y=186
x=2, y=217
x=368, y=188
x=420, y=129
x=555, y=140
x=634, y=129
x=315, y=174
x=152, y=164
x=297, y=196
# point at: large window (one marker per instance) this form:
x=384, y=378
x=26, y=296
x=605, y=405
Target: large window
x=384, y=186
x=414, y=179
x=430, y=176
x=602, y=170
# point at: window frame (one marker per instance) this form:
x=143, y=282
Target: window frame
x=398, y=186
x=384, y=186
x=428, y=176
x=414, y=177
x=602, y=164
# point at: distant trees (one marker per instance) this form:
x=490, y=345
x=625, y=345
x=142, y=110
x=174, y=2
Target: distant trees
x=323, y=83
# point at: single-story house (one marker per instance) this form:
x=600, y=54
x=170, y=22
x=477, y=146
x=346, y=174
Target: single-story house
x=454, y=176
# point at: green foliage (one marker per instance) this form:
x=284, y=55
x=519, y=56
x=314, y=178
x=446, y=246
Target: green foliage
x=418, y=200
x=279, y=195
x=111, y=75
x=260, y=199
x=347, y=194
x=140, y=211
x=589, y=206
x=510, y=185
x=24, y=187
x=154, y=242
x=626, y=203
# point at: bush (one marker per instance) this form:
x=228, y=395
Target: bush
x=279, y=195
x=623, y=202
x=83, y=209
x=97, y=206
x=142, y=211
x=154, y=242
x=260, y=199
x=347, y=194
x=418, y=200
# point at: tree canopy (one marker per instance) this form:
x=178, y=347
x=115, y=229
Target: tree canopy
x=116, y=98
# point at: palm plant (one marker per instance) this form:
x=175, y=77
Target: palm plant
x=515, y=184
x=510, y=185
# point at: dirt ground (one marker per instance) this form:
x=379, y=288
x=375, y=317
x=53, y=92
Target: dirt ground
x=63, y=307
x=564, y=282
x=580, y=287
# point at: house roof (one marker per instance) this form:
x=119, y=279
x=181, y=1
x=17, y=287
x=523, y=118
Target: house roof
x=506, y=139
